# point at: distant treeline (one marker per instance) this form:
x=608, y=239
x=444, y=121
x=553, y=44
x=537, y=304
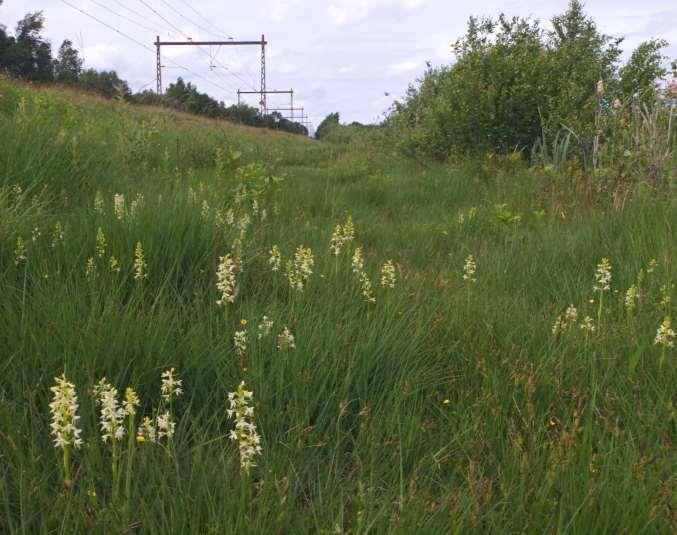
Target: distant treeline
x=28, y=55
x=331, y=129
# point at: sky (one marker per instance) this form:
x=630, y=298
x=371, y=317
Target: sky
x=350, y=56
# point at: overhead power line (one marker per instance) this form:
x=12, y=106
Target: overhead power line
x=198, y=26
x=125, y=17
x=139, y=43
x=225, y=34
x=163, y=18
x=210, y=56
x=205, y=19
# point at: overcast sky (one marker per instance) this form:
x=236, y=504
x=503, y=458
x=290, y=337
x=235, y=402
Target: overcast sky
x=337, y=55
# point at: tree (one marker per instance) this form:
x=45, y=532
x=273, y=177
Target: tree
x=580, y=56
x=30, y=56
x=68, y=64
x=639, y=76
x=513, y=81
x=108, y=83
x=327, y=124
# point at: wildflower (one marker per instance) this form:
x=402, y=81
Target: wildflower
x=165, y=425
x=35, y=234
x=57, y=234
x=285, y=340
x=136, y=205
x=98, y=203
x=64, y=408
x=114, y=265
x=112, y=414
x=366, y=288
x=100, y=243
x=388, y=278
x=348, y=230
x=204, y=211
x=603, y=276
x=358, y=261
x=587, y=325
x=226, y=279
x=631, y=298
x=275, y=258
x=119, y=206
x=461, y=218
x=140, y=265
x=335, y=244
x=131, y=402
x=565, y=321
x=90, y=268
x=666, y=297
x=469, y=269
x=240, y=343
x=602, y=284
x=300, y=271
x=342, y=236
x=664, y=337
x=571, y=314
x=146, y=431
x=20, y=251
x=255, y=207
x=664, y=334
x=265, y=326
x=64, y=429
x=304, y=262
x=245, y=434
x=171, y=386
x=230, y=216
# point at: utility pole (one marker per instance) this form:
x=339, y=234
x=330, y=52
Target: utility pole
x=263, y=93
x=262, y=103
x=158, y=67
x=262, y=43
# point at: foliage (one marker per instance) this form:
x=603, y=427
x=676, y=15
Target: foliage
x=447, y=406
x=107, y=83
x=68, y=64
x=28, y=56
x=330, y=122
x=639, y=76
x=514, y=83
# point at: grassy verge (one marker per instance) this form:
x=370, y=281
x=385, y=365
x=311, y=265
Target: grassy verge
x=443, y=406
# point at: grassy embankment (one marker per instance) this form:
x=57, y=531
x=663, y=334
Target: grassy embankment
x=445, y=406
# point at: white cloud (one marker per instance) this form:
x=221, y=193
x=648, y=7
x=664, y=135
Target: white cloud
x=278, y=10
x=318, y=47
x=343, y=12
x=404, y=66
x=101, y=55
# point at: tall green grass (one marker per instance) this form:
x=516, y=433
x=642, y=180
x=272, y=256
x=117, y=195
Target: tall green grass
x=425, y=412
